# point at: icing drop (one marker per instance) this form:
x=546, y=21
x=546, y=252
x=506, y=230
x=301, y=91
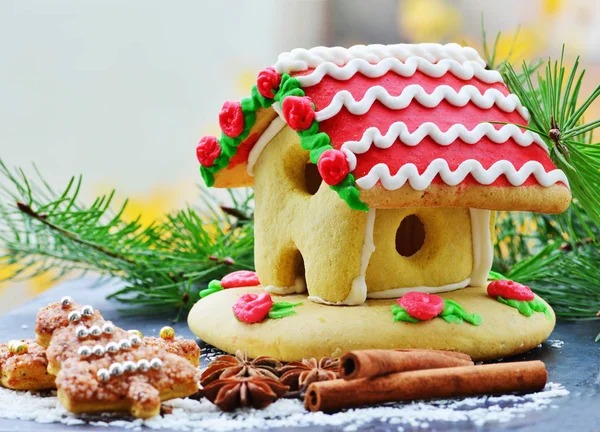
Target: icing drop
x=298, y=287
x=410, y=173
x=267, y=136
x=483, y=250
x=468, y=93
x=399, y=292
x=464, y=71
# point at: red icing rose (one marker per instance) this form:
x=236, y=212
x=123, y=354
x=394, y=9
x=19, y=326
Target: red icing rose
x=207, y=150
x=422, y=306
x=242, y=278
x=508, y=289
x=298, y=112
x=333, y=166
x=252, y=308
x=231, y=119
x=268, y=82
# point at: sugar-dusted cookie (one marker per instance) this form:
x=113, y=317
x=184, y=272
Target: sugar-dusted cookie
x=23, y=366
x=101, y=367
x=186, y=348
x=134, y=381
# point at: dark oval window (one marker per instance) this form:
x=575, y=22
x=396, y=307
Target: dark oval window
x=410, y=236
x=312, y=178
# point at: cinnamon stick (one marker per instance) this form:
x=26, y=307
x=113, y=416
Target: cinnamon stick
x=500, y=378
x=375, y=362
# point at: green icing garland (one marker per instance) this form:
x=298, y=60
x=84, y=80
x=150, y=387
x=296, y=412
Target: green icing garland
x=527, y=308
x=452, y=313
x=310, y=139
x=213, y=287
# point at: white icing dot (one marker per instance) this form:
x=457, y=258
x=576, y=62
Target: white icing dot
x=124, y=344
x=156, y=363
x=116, y=369
x=81, y=332
x=143, y=365
x=98, y=350
x=129, y=366
x=74, y=316
x=66, y=301
x=112, y=347
x=87, y=311
x=103, y=375
x=108, y=328
x=84, y=351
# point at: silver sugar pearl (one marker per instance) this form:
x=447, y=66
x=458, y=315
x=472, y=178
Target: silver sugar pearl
x=103, y=375
x=115, y=369
x=124, y=344
x=87, y=311
x=112, y=347
x=81, y=332
x=129, y=366
x=66, y=302
x=74, y=316
x=98, y=350
x=135, y=340
x=95, y=331
x=84, y=351
x=156, y=363
x=143, y=365
x=108, y=328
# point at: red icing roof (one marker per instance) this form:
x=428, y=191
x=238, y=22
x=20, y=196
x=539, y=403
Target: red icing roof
x=345, y=126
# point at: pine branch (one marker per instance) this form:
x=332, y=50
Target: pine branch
x=163, y=265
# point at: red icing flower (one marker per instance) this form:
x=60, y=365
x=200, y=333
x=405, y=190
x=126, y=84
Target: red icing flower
x=508, y=289
x=231, y=119
x=298, y=112
x=268, y=82
x=252, y=308
x=422, y=306
x=207, y=150
x=242, y=278
x=333, y=166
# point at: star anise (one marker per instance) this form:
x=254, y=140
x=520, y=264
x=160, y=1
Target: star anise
x=238, y=392
x=239, y=365
x=298, y=375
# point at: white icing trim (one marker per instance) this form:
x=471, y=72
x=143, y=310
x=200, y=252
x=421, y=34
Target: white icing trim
x=468, y=93
x=483, y=250
x=270, y=132
x=300, y=59
x=358, y=292
x=298, y=287
x=410, y=173
x=399, y=292
x=465, y=71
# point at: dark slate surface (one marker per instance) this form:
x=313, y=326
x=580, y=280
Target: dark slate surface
x=576, y=365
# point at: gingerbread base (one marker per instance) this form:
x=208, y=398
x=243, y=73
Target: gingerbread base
x=318, y=330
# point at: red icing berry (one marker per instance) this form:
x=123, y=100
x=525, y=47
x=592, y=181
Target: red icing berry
x=231, y=119
x=298, y=112
x=268, y=82
x=207, y=150
x=422, y=306
x=333, y=166
x=242, y=278
x=508, y=289
x=252, y=308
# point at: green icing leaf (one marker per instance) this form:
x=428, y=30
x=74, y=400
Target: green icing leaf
x=288, y=87
x=207, y=176
x=400, y=314
x=453, y=312
x=349, y=193
x=527, y=308
x=283, y=309
x=285, y=305
x=249, y=105
x=260, y=99
x=213, y=287
x=277, y=314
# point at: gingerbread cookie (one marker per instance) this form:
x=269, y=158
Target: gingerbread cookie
x=23, y=366
x=101, y=367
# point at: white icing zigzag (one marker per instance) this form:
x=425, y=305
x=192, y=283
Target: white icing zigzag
x=399, y=130
x=464, y=71
x=410, y=173
x=301, y=59
x=466, y=94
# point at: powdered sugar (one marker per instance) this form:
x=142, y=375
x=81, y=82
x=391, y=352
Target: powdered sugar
x=189, y=414
x=555, y=343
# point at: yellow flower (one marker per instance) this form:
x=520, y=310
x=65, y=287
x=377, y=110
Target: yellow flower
x=428, y=20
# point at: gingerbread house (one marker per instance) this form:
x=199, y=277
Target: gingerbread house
x=377, y=169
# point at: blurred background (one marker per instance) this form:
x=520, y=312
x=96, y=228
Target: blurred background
x=120, y=91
